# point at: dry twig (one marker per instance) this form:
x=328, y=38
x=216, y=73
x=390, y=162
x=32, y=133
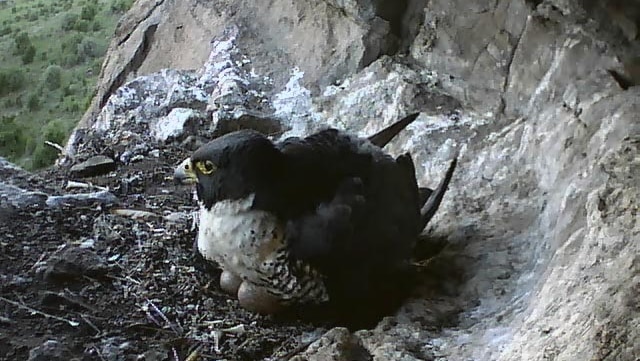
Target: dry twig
x=162, y=315
x=195, y=354
x=55, y=146
x=91, y=324
x=42, y=256
x=33, y=310
x=74, y=184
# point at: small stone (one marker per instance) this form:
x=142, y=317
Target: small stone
x=177, y=217
x=74, y=263
x=172, y=126
x=93, y=166
x=104, y=198
x=228, y=122
x=15, y=197
x=153, y=355
x=50, y=350
x=114, y=348
x=13, y=281
x=338, y=344
x=87, y=243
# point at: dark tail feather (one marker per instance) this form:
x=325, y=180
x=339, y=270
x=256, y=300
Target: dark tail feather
x=423, y=194
x=385, y=135
x=431, y=206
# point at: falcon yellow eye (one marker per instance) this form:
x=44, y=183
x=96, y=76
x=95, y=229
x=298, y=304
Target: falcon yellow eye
x=206, y=167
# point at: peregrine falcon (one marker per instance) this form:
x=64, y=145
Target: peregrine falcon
x=326, y=220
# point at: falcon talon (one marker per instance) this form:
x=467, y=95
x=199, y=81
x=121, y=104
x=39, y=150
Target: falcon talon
x=326, y=220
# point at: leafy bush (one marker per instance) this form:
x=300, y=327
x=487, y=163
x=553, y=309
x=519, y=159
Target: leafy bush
x=66, y=91
x=29, y=54
x=24, y=47
x=33, y=102
x=70, y=44
x=69, y=21
x=70, y=60
x=71, y=105
x=96, y=66
x=11, y=80
x=9, y=102
x=32, y=16
x=120, y=6
x=70, y=50
x=52, y=78
x=83, y=26
x=12, y=137
x=22, y=42
x=87, y=49
x=89, y=12
x=43, y=155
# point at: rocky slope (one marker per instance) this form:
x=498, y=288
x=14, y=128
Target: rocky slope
x=537, y=240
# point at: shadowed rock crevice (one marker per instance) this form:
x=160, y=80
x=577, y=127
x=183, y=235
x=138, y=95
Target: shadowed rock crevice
x=533, y=4
x=404, y=18
x=619, y=17
x=133, y=19
x=628, y=74
x=134, y=63
x=394, y=13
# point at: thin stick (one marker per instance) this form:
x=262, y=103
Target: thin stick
x=55, y=145
x=42, y=256
x=195, y=354
x=74, y=184
x=85, y=319
x=99, y=353
x=33, y=310
x=163, y=316
x=217, y=335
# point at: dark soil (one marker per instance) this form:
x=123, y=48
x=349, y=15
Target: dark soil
x=109, y=286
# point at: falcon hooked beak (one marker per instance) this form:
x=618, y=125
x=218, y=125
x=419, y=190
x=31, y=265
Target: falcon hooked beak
x=184, y=173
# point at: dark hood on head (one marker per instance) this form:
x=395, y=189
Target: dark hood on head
x=246, y=163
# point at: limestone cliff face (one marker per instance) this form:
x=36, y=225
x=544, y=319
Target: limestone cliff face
x=539, y=97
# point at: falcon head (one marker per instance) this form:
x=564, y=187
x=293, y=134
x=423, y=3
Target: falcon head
x=232, y=167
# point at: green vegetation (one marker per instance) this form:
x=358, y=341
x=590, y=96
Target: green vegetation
x=50, y=57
